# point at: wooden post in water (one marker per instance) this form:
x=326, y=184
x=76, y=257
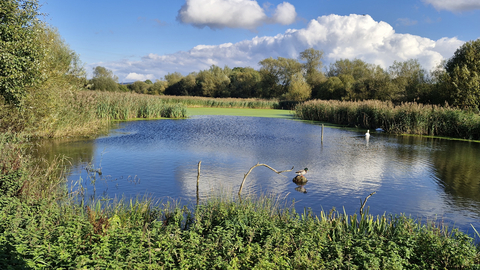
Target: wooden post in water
x=198, y=179
x=322, y=133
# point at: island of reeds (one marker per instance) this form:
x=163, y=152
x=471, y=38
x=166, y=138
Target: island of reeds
x=45, y=93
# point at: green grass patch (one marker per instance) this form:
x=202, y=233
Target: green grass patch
x=272, y=113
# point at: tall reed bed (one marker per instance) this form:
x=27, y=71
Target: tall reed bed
x=221, y=102
x=122, y=106
x=406, y=118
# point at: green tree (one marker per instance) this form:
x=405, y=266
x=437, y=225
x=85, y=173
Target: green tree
x=348, y=86
x=299, y=89
x=214, y=82
x=173, y=78
x=183, y=86
x=188, y=84
x=104, y=80
x=21, y=49
x=407, y=78
x=332, y=88
x=139, y=87
x=463, y=75
x=158, y=87
x=63, y=72
x=277, y=74
x=123, y=88
x=357, y=68
x=245, y=83
x=313, y=66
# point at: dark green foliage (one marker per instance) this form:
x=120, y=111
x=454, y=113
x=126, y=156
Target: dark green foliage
x=463, y=75
x=277, y=75
x=12, y=169
x=104, y=80
x=158, y=88
x=104, y=84
x=185, y=86
x=21, y=49
x=123, y=88
x=253, y=233
x=313, y=66
x=214, y=82
x=139, y=87
x=245, y=83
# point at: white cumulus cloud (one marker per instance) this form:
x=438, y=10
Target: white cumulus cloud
x=353, y=36
x=454, y=5
x=139, y=77
x=246, y=14
x=285, y=14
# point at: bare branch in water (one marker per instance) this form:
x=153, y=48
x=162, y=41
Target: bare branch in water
x=258, y=164
x=364, y=202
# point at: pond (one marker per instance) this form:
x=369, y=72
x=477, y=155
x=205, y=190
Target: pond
x=426, y=178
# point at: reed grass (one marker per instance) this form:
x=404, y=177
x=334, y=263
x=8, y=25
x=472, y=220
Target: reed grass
x=123, y=106
x=191, y=101
x=406, y=118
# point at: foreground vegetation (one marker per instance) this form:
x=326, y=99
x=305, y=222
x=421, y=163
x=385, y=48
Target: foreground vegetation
x=44, y=226
x=406, y=118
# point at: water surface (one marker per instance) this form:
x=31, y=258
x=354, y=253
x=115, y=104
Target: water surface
x=421, y=177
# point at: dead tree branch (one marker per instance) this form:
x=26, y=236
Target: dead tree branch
x=258, y=164
x=364, y=202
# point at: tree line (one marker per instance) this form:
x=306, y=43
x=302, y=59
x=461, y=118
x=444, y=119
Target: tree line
x=456, y=81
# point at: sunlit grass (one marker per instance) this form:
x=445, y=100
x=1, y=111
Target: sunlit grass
x=271, y=113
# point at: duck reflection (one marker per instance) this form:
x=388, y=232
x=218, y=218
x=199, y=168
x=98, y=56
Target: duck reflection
x=301, y=189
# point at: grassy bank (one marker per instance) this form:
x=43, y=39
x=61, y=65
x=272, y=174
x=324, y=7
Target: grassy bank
x=407, y=118
x=44, y=226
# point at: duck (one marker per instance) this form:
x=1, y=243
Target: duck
x=367, y=134
x=302, y=172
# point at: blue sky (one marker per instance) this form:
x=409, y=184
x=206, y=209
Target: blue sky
x=146, y=39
